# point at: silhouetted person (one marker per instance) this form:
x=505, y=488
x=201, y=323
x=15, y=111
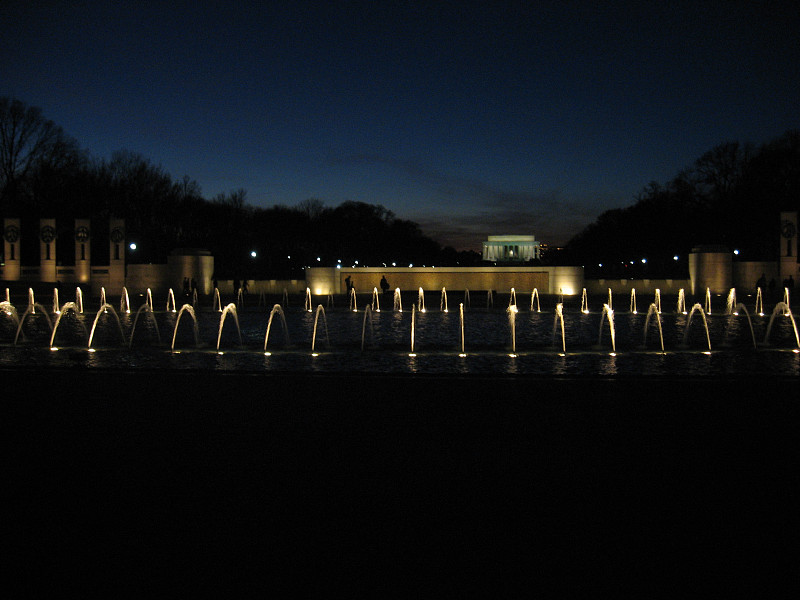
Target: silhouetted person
x=790, y=282
x=244, y=286
x=384, y=285
x=762, y=283
x=348, y=283
x=193, y=285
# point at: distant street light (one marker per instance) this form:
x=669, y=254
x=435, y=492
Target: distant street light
x=132, y=246
x=253, y=253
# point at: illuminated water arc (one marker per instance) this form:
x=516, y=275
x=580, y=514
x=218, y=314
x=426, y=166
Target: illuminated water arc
x=376, y=302
x=398, y=301
x=276, y=310
x=124, y=302
x=144, y=308
x=186, y=308
x=512, y=322
x=782, y=309
x=171, y=301
x=69, y=306
x=607, y=313
x=559, y=318
x=697, y=308
x=535, y=299
x=730, y=306
x=216, y=303
x=230, y=309
x=653, y=310
x=104, y=310
x=31, y=310
x=461, y=326
x=320, y=311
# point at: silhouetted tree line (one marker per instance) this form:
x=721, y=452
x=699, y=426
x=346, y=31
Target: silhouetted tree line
x=732, y=195
x=44, y=173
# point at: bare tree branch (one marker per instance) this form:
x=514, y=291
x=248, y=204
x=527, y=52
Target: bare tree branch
x=27, y=140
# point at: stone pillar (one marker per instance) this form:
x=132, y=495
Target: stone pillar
x=47, y=250
x=565, y=280
x=83, y=251
x=12, y=239
x=116, y=255
x=710, y=267
x=788, y=246
x=191, y=263
x=324, y=280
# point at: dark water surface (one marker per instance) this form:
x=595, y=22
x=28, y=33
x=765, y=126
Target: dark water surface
x=398, y=484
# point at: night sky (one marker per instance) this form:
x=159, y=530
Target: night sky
x=468, y=119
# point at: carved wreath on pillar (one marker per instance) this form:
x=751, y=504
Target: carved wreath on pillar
x=117, y=235
x=11, y=233
x=82, y=234
x=47, y=234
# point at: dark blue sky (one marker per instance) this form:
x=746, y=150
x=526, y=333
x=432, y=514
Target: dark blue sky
x=469, y=119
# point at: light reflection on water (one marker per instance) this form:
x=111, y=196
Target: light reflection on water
x=512, y=367
x=608, y=365
x=560, y=365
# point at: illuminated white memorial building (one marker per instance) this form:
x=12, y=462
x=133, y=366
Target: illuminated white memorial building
x=511, y=248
